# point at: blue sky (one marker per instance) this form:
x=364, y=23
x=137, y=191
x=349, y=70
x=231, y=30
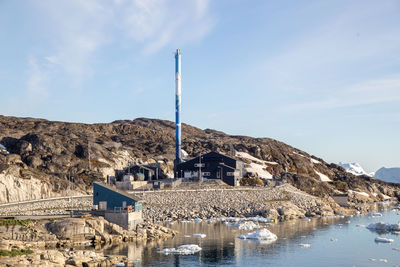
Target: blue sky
x=322, y=76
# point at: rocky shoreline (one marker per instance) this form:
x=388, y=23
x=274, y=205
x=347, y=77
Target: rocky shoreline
x=64, y=241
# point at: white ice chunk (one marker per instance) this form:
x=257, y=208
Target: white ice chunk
x=304, y=245
x=262, y=234
x=182, y=250
x=307, y=220
x=381, y=226
x=199, y=235
x=384, y=240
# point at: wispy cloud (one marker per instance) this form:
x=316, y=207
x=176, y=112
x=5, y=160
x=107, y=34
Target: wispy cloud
x=364, y=93
x=37, y=79
x=81, y=28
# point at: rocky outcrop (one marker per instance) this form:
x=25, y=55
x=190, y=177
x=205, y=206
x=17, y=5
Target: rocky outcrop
x=53, y=152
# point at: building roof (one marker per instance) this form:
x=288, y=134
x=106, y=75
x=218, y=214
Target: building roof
x=119, y=191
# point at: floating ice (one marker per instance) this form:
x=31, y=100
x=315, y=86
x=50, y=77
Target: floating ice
x=304, y=245
x=197, y=220
x=246, y=225
x=383, y=227
x=187, y=236
x=199, y=235
x=120, y=264
x=383, y=260
x=307, y=220
x=397, y=249
x=334, y=239
x=182, y=250
x=372, y=259
x=376, y=214
x=262, y=234
x=360, y=225
x=383, y=240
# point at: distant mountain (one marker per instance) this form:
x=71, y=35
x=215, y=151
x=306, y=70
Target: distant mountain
x=390, y=175
x=354, y=168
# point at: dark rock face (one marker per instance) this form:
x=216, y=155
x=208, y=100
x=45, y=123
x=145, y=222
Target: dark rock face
x=56, y=150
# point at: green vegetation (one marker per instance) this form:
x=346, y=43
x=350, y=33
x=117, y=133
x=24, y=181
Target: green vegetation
x=24, y=223
x=14, y=252
x=251, y=181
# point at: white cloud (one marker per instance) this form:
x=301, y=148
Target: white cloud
x=79, y=29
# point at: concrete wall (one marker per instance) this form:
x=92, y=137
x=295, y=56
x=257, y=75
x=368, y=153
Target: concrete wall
x=127, y=220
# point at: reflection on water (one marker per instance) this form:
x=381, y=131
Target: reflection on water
x=333, y=242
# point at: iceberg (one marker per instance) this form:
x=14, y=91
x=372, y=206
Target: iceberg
x=263, y=234
x=384, y=227
x=182, y=250
x=383, y=240
x=199, y=235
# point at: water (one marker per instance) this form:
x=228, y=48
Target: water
x=333, y=242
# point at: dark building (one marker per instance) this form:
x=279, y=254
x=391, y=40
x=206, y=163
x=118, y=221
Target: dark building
x=213, y=165
x=113, y=198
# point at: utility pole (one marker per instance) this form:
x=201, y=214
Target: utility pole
x=90, y=166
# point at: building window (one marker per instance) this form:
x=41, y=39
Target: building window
x=205, y=173
x=230, y=174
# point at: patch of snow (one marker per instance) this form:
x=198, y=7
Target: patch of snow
x=323, y=177
x=383, y=240
x=4, y=148
x=315, y=161
x=259, y=169
x=263, y=234
x=184, y=154
x=247, y=156
x=199, y=235
x=182, y=250
x=304, y=245
x=359, y=193
x=354, y=168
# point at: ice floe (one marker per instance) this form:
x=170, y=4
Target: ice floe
x=376, y=214
x=304, y=245
x=182, y=250
x=383, y=240
x=307, y=220
x=199, y=235
x=262, y=234
x=384, y=227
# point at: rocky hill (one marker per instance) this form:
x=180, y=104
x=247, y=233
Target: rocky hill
x=39, y=157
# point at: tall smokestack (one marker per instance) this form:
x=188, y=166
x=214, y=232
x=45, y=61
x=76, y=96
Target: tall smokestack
x=178, y=106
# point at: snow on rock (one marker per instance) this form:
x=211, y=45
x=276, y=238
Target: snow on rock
x=246, y=225
x=383, y=240
x=315, y=161
x=182, y=250
x=247, y=156
x=354, y=168
x=262, y=234
x=383, y=227
x=323, y=177
x=359, y=193
x=311, y=159
x=259, y=169
x=199, y=235
x=2, y=147
x=184, y=154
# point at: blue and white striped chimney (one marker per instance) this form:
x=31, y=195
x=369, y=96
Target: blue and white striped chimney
x=178, y=105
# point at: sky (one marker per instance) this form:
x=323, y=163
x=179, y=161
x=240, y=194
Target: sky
x=322, y=76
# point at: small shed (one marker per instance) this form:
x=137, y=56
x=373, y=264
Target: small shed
x=112, y=198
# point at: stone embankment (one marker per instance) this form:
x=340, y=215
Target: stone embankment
x=283, y=202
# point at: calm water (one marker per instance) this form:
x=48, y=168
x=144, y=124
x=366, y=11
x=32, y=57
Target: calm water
x=352, y=245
